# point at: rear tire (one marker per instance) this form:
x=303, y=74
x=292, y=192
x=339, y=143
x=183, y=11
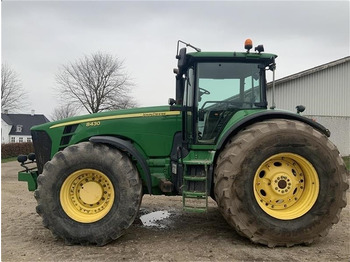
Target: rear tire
x=89, y=194
x=280, y=183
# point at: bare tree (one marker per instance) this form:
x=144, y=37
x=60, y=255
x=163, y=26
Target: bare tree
x=63, y=112
x=97, y=82
x=12, y=93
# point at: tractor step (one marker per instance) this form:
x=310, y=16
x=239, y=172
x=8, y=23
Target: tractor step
x=195, y=209
x=195, y=189
x=195, y=178
x=192, y=194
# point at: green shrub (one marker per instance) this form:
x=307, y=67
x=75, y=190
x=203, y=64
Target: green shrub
x=15, y=149
x=347, y=162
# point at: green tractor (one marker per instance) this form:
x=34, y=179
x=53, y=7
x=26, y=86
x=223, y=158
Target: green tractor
x=275, y=176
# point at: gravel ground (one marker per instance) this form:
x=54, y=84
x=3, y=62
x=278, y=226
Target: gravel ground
x=177, y=237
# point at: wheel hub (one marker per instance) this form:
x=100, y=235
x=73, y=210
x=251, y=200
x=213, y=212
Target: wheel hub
x=280, y=188
x=87, y=195
x=281, y=184
x=90, y=193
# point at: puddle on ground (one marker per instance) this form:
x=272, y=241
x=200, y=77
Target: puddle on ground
x=154, y=219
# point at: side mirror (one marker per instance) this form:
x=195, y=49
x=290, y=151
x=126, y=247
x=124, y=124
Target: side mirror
x=181, y=58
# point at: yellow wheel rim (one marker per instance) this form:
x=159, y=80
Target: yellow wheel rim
x=87, y=195
x=286, y=186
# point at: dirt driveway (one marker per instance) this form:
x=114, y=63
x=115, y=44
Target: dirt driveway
x=178, y=237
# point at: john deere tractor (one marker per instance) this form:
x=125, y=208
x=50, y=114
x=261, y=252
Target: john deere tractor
x=275, y=176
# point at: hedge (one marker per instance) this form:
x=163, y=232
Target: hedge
x=15, y=149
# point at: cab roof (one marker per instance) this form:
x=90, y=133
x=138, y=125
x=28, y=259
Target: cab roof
x=201, y=56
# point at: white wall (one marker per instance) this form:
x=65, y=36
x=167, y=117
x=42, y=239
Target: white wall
x=24, y=139
x=323, y=93
x=340, y=131
x=5, y=130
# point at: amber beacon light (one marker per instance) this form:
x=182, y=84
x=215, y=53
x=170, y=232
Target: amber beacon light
x=248, y=44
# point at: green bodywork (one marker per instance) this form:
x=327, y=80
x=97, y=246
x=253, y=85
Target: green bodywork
x=152, y=130
x=152, y=135
x=29, y=177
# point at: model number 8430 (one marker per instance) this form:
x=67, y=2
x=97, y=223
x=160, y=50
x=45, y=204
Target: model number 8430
x=93, y=123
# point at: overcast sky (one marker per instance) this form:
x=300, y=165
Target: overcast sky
x=39, y=37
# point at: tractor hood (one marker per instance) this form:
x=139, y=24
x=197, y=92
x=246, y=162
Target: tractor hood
x=149, y=129
x=109, y=115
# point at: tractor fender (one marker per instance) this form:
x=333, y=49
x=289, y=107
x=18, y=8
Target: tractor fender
x=126, y=146
x=266, y=115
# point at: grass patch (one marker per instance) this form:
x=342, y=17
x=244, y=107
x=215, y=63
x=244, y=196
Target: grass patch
x=347, y=162
x=5, y=160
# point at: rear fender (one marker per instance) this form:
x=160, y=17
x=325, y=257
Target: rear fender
x=266, y=115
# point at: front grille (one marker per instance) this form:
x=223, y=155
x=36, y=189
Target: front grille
x=42, y=146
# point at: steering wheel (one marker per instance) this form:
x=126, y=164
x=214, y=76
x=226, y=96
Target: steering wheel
x=203, y=91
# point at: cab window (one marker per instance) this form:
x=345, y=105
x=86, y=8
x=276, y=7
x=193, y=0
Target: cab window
x=222, y=90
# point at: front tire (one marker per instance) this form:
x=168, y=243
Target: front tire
x=280, y=183
x=89, y=194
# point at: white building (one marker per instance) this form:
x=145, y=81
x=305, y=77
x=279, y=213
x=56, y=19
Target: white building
x=325, y=92
x=15, y=128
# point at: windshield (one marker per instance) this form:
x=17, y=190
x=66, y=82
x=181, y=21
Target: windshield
x=235, y=83
x=223, y=89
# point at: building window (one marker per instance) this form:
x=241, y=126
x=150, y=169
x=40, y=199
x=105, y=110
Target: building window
x=19, y=128
x=20, y=139
x=29, y=139
x=13, y=139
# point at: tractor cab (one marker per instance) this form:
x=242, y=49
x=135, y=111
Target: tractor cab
x=213, y=86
